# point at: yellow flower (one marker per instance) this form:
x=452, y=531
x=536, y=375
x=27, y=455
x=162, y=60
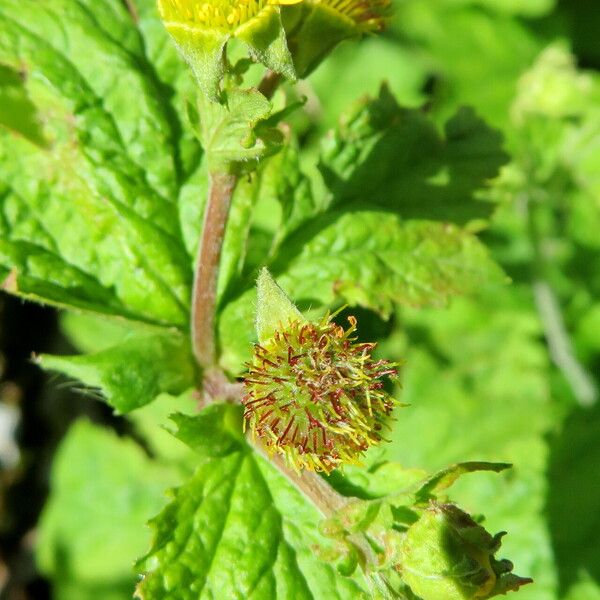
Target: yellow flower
x=224, y=15
x=323, y=24
x=202, y=28
x=367, y=15
x=291, y=42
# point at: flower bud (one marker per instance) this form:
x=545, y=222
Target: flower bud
x=446, y=554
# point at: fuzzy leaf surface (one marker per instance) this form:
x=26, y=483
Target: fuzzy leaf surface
x=134, y=372
x=376, y=260
x=90, y=218
x=237, y=529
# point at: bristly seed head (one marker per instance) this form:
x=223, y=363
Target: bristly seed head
x=316, y=396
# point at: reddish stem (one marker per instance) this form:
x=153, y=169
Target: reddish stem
x=204, y=295
x=269, y=83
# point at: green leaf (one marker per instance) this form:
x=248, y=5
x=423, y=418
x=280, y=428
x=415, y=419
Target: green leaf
x=375, y=260
x=232, y=132
x=151, y=422
x=215, y=432
x=112, y=165
x=18, y=112
x=104, y=488
x=430, y=177
x=283, y=183
x=573, y=497
x=89, y=333
x=174, y=78
x=134, y=372
x=274, y=309
x=379, y=479
x=238, y=529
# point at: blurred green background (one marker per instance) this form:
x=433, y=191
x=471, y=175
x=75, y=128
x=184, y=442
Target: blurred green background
x=508, y=375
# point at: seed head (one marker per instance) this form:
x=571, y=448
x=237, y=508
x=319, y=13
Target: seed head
x=315, y=395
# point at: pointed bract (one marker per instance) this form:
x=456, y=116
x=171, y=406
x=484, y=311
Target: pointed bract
x=274, y=310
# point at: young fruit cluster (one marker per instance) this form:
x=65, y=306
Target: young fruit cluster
x=316, y=396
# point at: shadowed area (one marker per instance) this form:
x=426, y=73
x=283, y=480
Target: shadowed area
x=573, y=504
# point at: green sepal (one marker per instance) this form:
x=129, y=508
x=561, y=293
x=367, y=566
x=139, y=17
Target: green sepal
x=274, y=309
x=321, y=30
x=203, y=49
x=266, y=41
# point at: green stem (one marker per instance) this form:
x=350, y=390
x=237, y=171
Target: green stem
x=548, y=306
x=328, y=501
x=204, y=294
x=310, y=484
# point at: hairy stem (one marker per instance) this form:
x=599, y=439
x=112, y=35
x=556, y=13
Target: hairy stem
x=328, y=502
x=204, y=295
x=311, y=485
x=557, y=336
